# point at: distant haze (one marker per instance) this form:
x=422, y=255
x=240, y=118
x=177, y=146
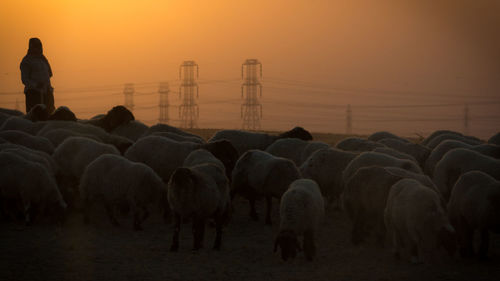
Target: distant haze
x=386, y=58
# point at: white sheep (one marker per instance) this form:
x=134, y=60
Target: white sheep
x=132, y=130
x=243, y=140
x=202, y=156
x=177, y=137
x=459, y=161
x=370, y=158
x=437, y=134
x=377, y=136
x=199, y=192
x=365, y=197
x=395, y=153
x=301, y=211
x=32, y=155
x=439, y=151
x=259, y=174
x=29, y=185
x=415, y=218
x=169, y=129
x=325, y=167
x=466, y=139
x=119, y=182
x=357, y=144
x=21, y=124
x=12, y=112
x=495, y=139
x=418, y=151
x=57, y=136
x=296, y=150
x=165, y=155
x=475, y=205
x=27, y=140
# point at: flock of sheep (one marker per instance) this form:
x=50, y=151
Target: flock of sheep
x=427, y=195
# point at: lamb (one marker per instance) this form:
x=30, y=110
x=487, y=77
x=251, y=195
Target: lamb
x=385, y=135
x=357, y=144
x=495, y=139
x=296, y=150
x=370, y=158
x=365, y=198
x=28, y=184
x=72, y=157
x=418, y=151
x=177, y=137
x=132, y=130
x=466, y=139
x=301, y=211
x=244, y=141
x=415, y=218
x=439, y=151
x=395, y=153
x=199, y=192
x=475, y=205
x=259, y=174
x=459, y=161
x=119, y=182
x=325, y=167
x=27, y=140
x=115, y=117
x=170, y=129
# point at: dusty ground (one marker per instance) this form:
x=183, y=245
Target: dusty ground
x=99, y=251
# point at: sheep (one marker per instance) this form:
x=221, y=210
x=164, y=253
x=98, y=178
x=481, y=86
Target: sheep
x=121, y=143
x=385, y=135
x=370, y=158
x=119, y=182
x=29, y=185
x=418, y=151
x=395, y=153
x=439, y=133
x=199, y=192
x=57, y=136
x=459, y=161
x=466, y=139
x=259, y=174
x=32, y=155
x=63, y=113
x=132, y=130
x=37, y=113
x=357, y=144
x=72, y=156
x=115, y=117
x=495, y=139
x=11, y=112
x=243, y=140
x=27, y=140
x=325, y=167
x=365, y=196
x=296, y=150
x=301, y=211
x=21, y=124
x=177, y=137
x=475, y=205
x=439, y=151
x=201, y=156
x=170, y=129
x=415, y=218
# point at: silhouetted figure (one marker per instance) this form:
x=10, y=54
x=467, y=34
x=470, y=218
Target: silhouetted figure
x=35, y=74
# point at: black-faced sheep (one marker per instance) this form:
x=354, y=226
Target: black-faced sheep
x=259, y=174
x=459, y=161
x=325, y=167
x=63, y=113
x=27, y=186
x=418, y=151
x=415, y=218
x=119, y=183
x=301, y=211
x=475, y=205
x=357, y=144
x=296, y=150
x=244, y=141
x=199, y=192
x=365, y=198
x=115, y=117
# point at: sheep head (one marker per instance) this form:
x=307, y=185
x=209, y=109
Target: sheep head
x=62, y=113
x=225, y=152
x=298, y=133
x=289, y=244
x=117, y=116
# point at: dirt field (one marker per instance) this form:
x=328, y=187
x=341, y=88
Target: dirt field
x=99, y=251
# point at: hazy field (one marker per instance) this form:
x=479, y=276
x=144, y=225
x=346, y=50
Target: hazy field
x=100, y=251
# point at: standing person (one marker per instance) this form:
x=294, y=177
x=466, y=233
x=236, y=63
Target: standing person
x=35, y=75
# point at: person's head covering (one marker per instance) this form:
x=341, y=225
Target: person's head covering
x=35, y=47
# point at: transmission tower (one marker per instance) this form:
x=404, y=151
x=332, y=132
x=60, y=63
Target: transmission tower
x=188, y=110
x=251, y=109
x=128, y=93
x=163, y=90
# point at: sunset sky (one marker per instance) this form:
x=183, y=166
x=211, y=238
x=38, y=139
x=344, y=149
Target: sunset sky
x=413, y=51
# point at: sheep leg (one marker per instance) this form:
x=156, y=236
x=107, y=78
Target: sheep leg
x=308, y=245
x=483, y=246
x=198, y=233
x=398, y=243
x=111, y=215
x=269, y=201
x=219, y=221
x=253, y=213
x=137, y=219
x=177, y=229
x=27, y=213
x=86, y=211
x=414, y=253
x=466, y=240
x=357, y=229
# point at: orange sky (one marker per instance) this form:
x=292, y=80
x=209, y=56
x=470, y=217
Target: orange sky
x=448, y=47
